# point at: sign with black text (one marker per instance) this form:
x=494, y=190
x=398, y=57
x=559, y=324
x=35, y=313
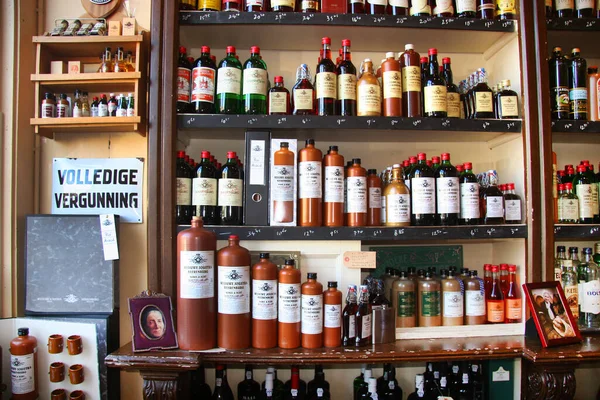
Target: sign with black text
x=98, y=186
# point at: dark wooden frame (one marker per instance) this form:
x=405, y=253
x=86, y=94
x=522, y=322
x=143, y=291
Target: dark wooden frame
x=140, y=339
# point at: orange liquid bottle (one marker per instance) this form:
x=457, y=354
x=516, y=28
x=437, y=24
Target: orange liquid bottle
x=374, y=186
x=333, y=185
x=513, y=297
x=332, y=316
x=495, y=300
x=264, y=303
x=288, y=322
x=392, y=87
x=312, y=312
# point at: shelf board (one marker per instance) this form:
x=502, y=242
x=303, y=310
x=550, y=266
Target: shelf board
x=573, y=24
x=48, y=126
x=303, y=31
x=91, y=82
x=577, y=231
x=569, y=131
x=369, y=234
x=85, y=46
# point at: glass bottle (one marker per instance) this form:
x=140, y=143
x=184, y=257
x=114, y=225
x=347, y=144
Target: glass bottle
x=107, y=63
x=203, y=83
x=363, y=318
x=94, y=107
x=375, y=7
x=184, y=173
x=411, y=82
x=443, y=8
x=326, y=81
x=397, y=200
x=248, y=389
x=130, y=105
x=255, y=83
x=506, y=9
x=585, y=194
x=466, y=8
x=62, y=107
x=112, y=105
x=561, y=255
x=435, y=91
x=508, y=102
x=483, y=97
x=294, y=393
x=420, y=8
x=231, y=5
x=513, y=307
x=199, y=388
x=577, y=86
x=398, y=7
x=120, y=65
x=131, y=67
x=310, y=185
x=254, y=5
x=559, y=85
x=76, y=112
x=303, y=93
x=428, y=300
x=564, y=8
x=346, y=79
x=122, y=106
x=512, y=205
x=423, y=199
x=229, y=84
x=301, y=383
x=589, y=296
x=310, y=6
x=368, y=91
x=222, y=389
x=204, y=190
x=485, y=9
x=187, y=4
x=453, y=94
x=349, y=317
x=230, y=192
x=267, y=392
x=492, y=201
x=504, y=279
x=419, y=392
x=495, y=300
x=283, y=5
x=85, y=105
x=448, y=194
x=469, y=197
x=388, y=389
x=279, y=98
x=404, y=301
x=318, y=384
x=569, y=281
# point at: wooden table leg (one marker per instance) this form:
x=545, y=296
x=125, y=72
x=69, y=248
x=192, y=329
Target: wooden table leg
x=160, y=385
x=549, y=381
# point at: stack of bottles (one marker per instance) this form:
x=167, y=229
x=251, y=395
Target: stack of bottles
x=570, y=9
x=406, y=86
x=577, y=194
x=581, y=285
x=62, y=106
x=460, y=381
x=117, y=62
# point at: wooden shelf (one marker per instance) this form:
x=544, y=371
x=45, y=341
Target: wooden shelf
x=576, y=232
x=368, y=234
x=86, y=46
x=91, y=82
x=48, y=126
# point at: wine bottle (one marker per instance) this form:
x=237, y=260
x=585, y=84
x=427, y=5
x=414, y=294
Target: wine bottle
x=184, y=81
x=466, y=8
x=318, y=384
x=512, y=205
x=248, y=389
x=184, y=174
x=559, y=85
x=255, y=81
x=492, y=201
x=278, y=386
x=423, y=199
x=222, y=389
x=303, y=94
x=419, y=392
x=231, y=187
x=301, y=384
x=483, y=104
x=453, y=95
x=485, y=9
x=294, y=393
x=346, y=72
x=204, y=191
x=229, y=84
x=564, y=8
x=198, y=387
x=349, y=317
x=585, y=8
x=203, y=83
x=448, y=193
x=507, y=9
x=363, y=318
x=508, y=102
x=469, y=196
x=420, y=8
x=577, y=86
x=326, y=81
x=387, y=385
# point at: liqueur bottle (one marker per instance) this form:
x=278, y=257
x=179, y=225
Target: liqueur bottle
x=255, y=81
x=301, y=383
x=420, y=8
x=356, y=183
x=346, y=80
x=482, y=97
x=294, y=393
x=448, y=193
x=282, y=184
x=209, y=5
x=349, y=317
x=231, y=186
x=303, y=93
x=326, y=81
x=485, y=9
x=475, y=313
x=333, y=187
x=585, y=194
x=254, y=5
x=559, y=85
x=279, y=98
x=512, y=205
x=568, y=205
x=411, y=82
x=387, y=385
x=184, y=81
x=289, y=298
x=513, y=297
x=231, y=5
x=310, y=6
x=375, y=7
x=183, y=208
x=506, y=9
x=204, y=191
x=435, y=91
x=199, y=388
x=107, y=63
x=318, y=384
x=508, y=102
x=404, y=301
x=577, y=86
x=453, y=95
x=203, y=83
x=392, y=86
x=283, y=5
x=492, y=201
x=469, y=197
x=363, y=318
x=120, y=65
x=590, y=286
x=396, y=197
x=264, y=303
x=222, y=389
x=248, y=389
x=422, y=183
x=332, y=316
x=312, y=312
x=229, y=84
x=466, y=8
x=428, y=301
x=495, y=300
x=368, y=91
x=419, y=392
x=310, y=189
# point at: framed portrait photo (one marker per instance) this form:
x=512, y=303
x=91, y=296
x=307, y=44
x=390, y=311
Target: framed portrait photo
x=551, y=312
x=152, y=322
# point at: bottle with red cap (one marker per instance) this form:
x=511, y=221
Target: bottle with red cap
x=448, y=194
x=204, y=190
x=512, y=205
x=184, y=81
x=412, y=161
x=279, y=98
x=346, y=79
x=231, y=186
x=435, y=91
x=495, y=300
x=422, y=185
x=469, y=196
x=184, y=173
x=585, y=193
x=453, y=94
x=568, y=204
x=255, y=83
x=326, y=81
x=203, y=83
x=229, y=84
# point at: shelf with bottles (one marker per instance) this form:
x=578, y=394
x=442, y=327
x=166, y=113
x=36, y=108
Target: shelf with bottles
x=573, y=126
x=48, y=126
x=51, y=48
x=576, y=231
x=573, y=24
x=100, y=81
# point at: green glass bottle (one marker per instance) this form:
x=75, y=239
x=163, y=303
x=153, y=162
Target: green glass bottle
x=568, y=204
x=255, y=83
x=229, y=84
x=583, y=189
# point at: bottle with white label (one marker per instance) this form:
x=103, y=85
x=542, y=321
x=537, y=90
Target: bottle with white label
x=23, y=366
x=368, y=92
x=374, y=187
x=469, y=196
x=448, y=192
x=255, y=83
x=356, y=187
x=310, y=185
x=196, y=295
x=585, y=193
x=512, y=205
x=229, y=84
x=332, y=316
x=264, y=303
x=349, y=317
x=333, y=188
x=184, y=81
x=326, y=81
x=204, y=77
x=435, y=91
x=364, y=318
x=585, y=8
x=279, y=98
x=452, y=300
x=466, y=8
x=288, y=303
x=578, y=94
x=589, y=296
x=312, y=312
x=346, y=78
x=231, y=188
x=492, y=201
x=423, y=193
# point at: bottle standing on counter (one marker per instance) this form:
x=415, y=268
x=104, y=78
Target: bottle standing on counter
x=368, y=92
x=469, y=197
x=312, y=312
x=346, y=79
x=204, y=191
x=492, y=201
x=583, y=187
x=590, y=287
x=203, y=83
x=422, y=184
x=233, y=327
x=231, y=188
x=403, y=301
x=229, y=84
x=452, y=301
x=419, y=392
x=264, y=303
x=310, y=185
x=356, y=182
x=222, y=389
x=303, y=94
x=448, y=193
x=255, y=81
x=363, y=318
x=279, y=98
x=594, y=94
x=396, y=197
x=333, y=207
x=282, y=184
x=289, y=299
x=495, y=300
x=577, y=86
x=564, y=8
x=512, y=205
x=508, y=102
x=332, y=316
x=428, y=301
x=184, y=174
x=435, y=91
x=474, y=300
x=23, y=366
x=411, y=82
x=559, y=84
x=466, y=8
x=187, y=4
x=392, y=86
x=513, y=297
x=326, y=81
x=248, y=389
x=374, y=199
x=349, y=317
x=196, y=300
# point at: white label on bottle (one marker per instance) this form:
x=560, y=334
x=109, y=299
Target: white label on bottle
x=203, y=84
x=469, y=200
x=112, y=108
x=282, y=181
x=102, y=110
x=121, y=112
x=397, y=208
x=590, y=297
x=365, y=329
x=278, y=102
x=61, y=111
x=334, y=184
x=484, y=102
x=234, y=290
x=184, y=77
x=466, y=6
x=565, y=4
x=351, y=327
x=586, y=200
x=257, y=162
x=196, y=274
x=77, y=111
x=391, y=385
x=568, y=209
x=22, y=373
x=258, y=3
x=495, y=207
x=229, y=80
x=204, y=192
x=303, y=99
x=312, y=314
x=581, y=4
x=475, y=303
x=49, y=110
x=369, y=98
x=423, y=195
x=443, y=6
x=289, y=302
x=392, y=84
x=184, y=191
x=255, y=81
x=131, y=112
x=230, y=192
x=347, y=87
x=264, y=299
x=326, y=85
x=447, y=195
x=333, y=316
x=453, y=304
x=420, y=7
x=374, y=197
x=218, y=382
x=509, y=106
x=357, y=194
x=454, y=106
x=436, y=98
x=512, y=210
x=399, y=3
x=310, y=180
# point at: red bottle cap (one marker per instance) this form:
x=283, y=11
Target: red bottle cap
x=180, y=154
x=511, y=186
x=424, y=60
x=326, y=40
x=561, y=186
x=512, y=268
x=429, y=163
x=231, y=154
x=502, y=187
x=95, y=98
x=468, y=165
x=435, y=159
x=503, y=267
x=182, y=50
x=460, y=168
x=568, y=186
x=205, y=154
x=570, y=171
x=192, y=161
x=346, y=42
x=413, y=160
x=585, y=162
x=405, y=163
x=219, y=165
x=560, y=173
x=445, y=156
x=186, y=158
x=214, y=58
x=279, y=79
x=581, y=168
x=234, y=237
x=487, y=267
x=191, y=60
x=205, y=49
x=230, y=49
x=421, y=156
x=255, y=50
x=494, y=268
x=567, y=166
x=446, y=60
x=432, y=52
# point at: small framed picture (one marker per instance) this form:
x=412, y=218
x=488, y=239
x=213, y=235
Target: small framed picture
x=552, y=314
x=152, y=322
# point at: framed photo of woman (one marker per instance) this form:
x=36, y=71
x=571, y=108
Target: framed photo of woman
x=152, y=322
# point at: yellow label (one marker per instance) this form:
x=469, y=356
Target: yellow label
x=484, y=102
x=326, y=85
x=506, y=6
x=436, y=99
x=347, y=87
x=411, y=79
x=392, y=84
x=283, y=3
x=369, y=99
x=303, y=99
x=209, y=4
x=572, y=296
x=509, y=106
x=454, y=107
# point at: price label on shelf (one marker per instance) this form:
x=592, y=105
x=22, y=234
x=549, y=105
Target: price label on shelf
x=360, y=259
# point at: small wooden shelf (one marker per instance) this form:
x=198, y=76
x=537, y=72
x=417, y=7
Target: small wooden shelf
x=121, y=82
x=48, y=126
x=82, y=46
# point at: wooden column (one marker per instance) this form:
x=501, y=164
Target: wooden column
x=160, y=385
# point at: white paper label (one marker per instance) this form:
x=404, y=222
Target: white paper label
x=423, y=195
x=475, y=303
x=312, y=314
x=397, y=208
x=447, y=195
x=289, y=302
x=282, y=181
x=352, y=327
x=392, y=84
x=310, y=180
x=466, y=6
x=374, y=197
x=204, y=192
x=469, y=200
x=234, y=290
x=108, y=231
x=357, y=194
x=255, y=81
x=586, y=200
x=229, y=80
x=77, y=112
x=264, y=299
x=102, y=110
x=495, y=207
x=257, y=162
x=590, y=297
x=184, y=191
x=453, y=304
x=334, y=184
x=22, y=374
x=398, y=3
x=326, y=85
x=512, y=209
x=62, y=110
x=333, y=316
x=501, y=375
x=365, y=329
x=196, y=274
x=121, y=112
x=581, y=4
x=230, y=192
x=565, y=4
x=369, y=98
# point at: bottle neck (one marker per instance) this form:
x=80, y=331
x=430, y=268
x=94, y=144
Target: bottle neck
x=346, y=54
x=448, y=74
x=434, y=69
x=231, y=55
x=573, y=256
x=326, y=50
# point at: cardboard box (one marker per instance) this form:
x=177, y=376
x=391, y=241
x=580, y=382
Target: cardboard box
x=129, y=27
x=57, y=67
x=74, y=67
x=334, y=6
x=114, y=28
x=284, y=184
x=256, y=184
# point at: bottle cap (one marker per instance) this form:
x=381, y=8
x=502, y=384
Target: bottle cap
x=326, y=40
x=230, y=49
x=332, y=284
x=254, y=50
x=180, y=154
x=487, y=267
x=234, y=237
x=421, y=156
x=95, y=98
x=573, y=250
x=346, y=42
x=64, y=96
x=333, y=148
x=585, y=162
x=364, y=288
x=494, y=268
x=446, y=156
x=182, y=50
x=587, y=250
x=204, y=154
x=560, y=248
x=435, y=159
x=205, y=49
x=372, y=171
x=503, y=267
x=432, y=52
x=428, y=274
x=402, y=274
x=128, y=94
x=231, y=154
x=389, y=54
x=412, y=160
x=581, y=168
x=290, y=262
x=575, y=50
x=311, y=275
x=263, y=255
x=423, y=60
x=367, y=60
x=510, y=186
x=284, y=145
x=352, y=287
x=568, y=186
x=468, y=165
x=561, y=186
x=506, y=82
x=395, y=166
x=310, y=141
x=409, y=47
x=356, y=161
x=279, y=79
x=446, y=60
x=513, y=268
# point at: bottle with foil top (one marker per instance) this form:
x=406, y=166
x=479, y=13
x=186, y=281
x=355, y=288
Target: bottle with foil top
x=303, y=93
x=255, y=82
x=203, y=83
x=326, y=81
x=279, y=98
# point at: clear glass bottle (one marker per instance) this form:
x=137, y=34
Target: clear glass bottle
x=77, y=110
x=303, y=93
x=568, y=205
x=561, y=255
x=569, y=281
x=589, y=292
x=107, y=63
x=120, y=64
x=85, y=105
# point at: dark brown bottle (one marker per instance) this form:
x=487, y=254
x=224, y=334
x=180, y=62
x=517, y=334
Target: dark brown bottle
x=312, y=312
x=549, y=9
x=279, y=99
x=435, y=91
x=310, y=185
x=564, y=8
x=492, y=201
x=231, y=186
x=233, y=286
x=375, y=7
x=559, y=85
x=333, y=188
x=363, y=318
x=196, y=297
x=578, y=94
x=309, y=6
x=24, y=368
x=326, y=81
x=485, y=9
x=356, y=187
x=289, y=304
x=264, y=303
x=184, y=81
x=356, y=6
x=483, y=97
x=453, y=93
x=204, y=190
x=411, y=82
x=184, y=174
x=346, y=72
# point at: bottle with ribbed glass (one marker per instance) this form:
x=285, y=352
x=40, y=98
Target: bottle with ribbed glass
x=229, y=84
x=255, y=82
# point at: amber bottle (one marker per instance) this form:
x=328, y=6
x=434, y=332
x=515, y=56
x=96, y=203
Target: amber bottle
x=264, y=303
x=333, y=186
x=512, y=299
x=310, y=185
x=23, y=362
x=474, y=300
x=288, y=305
x=196, y=294
x=404, y=302
x=495, y=299
x=392, y=87
x=452, y=301
x=356, y=184
x=411, y=82
x=374, y=200
x=233, y=286
x=397, y=200
x=282, y=184
x=332, y=316
x=312, y=312
x=428, y=301
x=368, y=92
